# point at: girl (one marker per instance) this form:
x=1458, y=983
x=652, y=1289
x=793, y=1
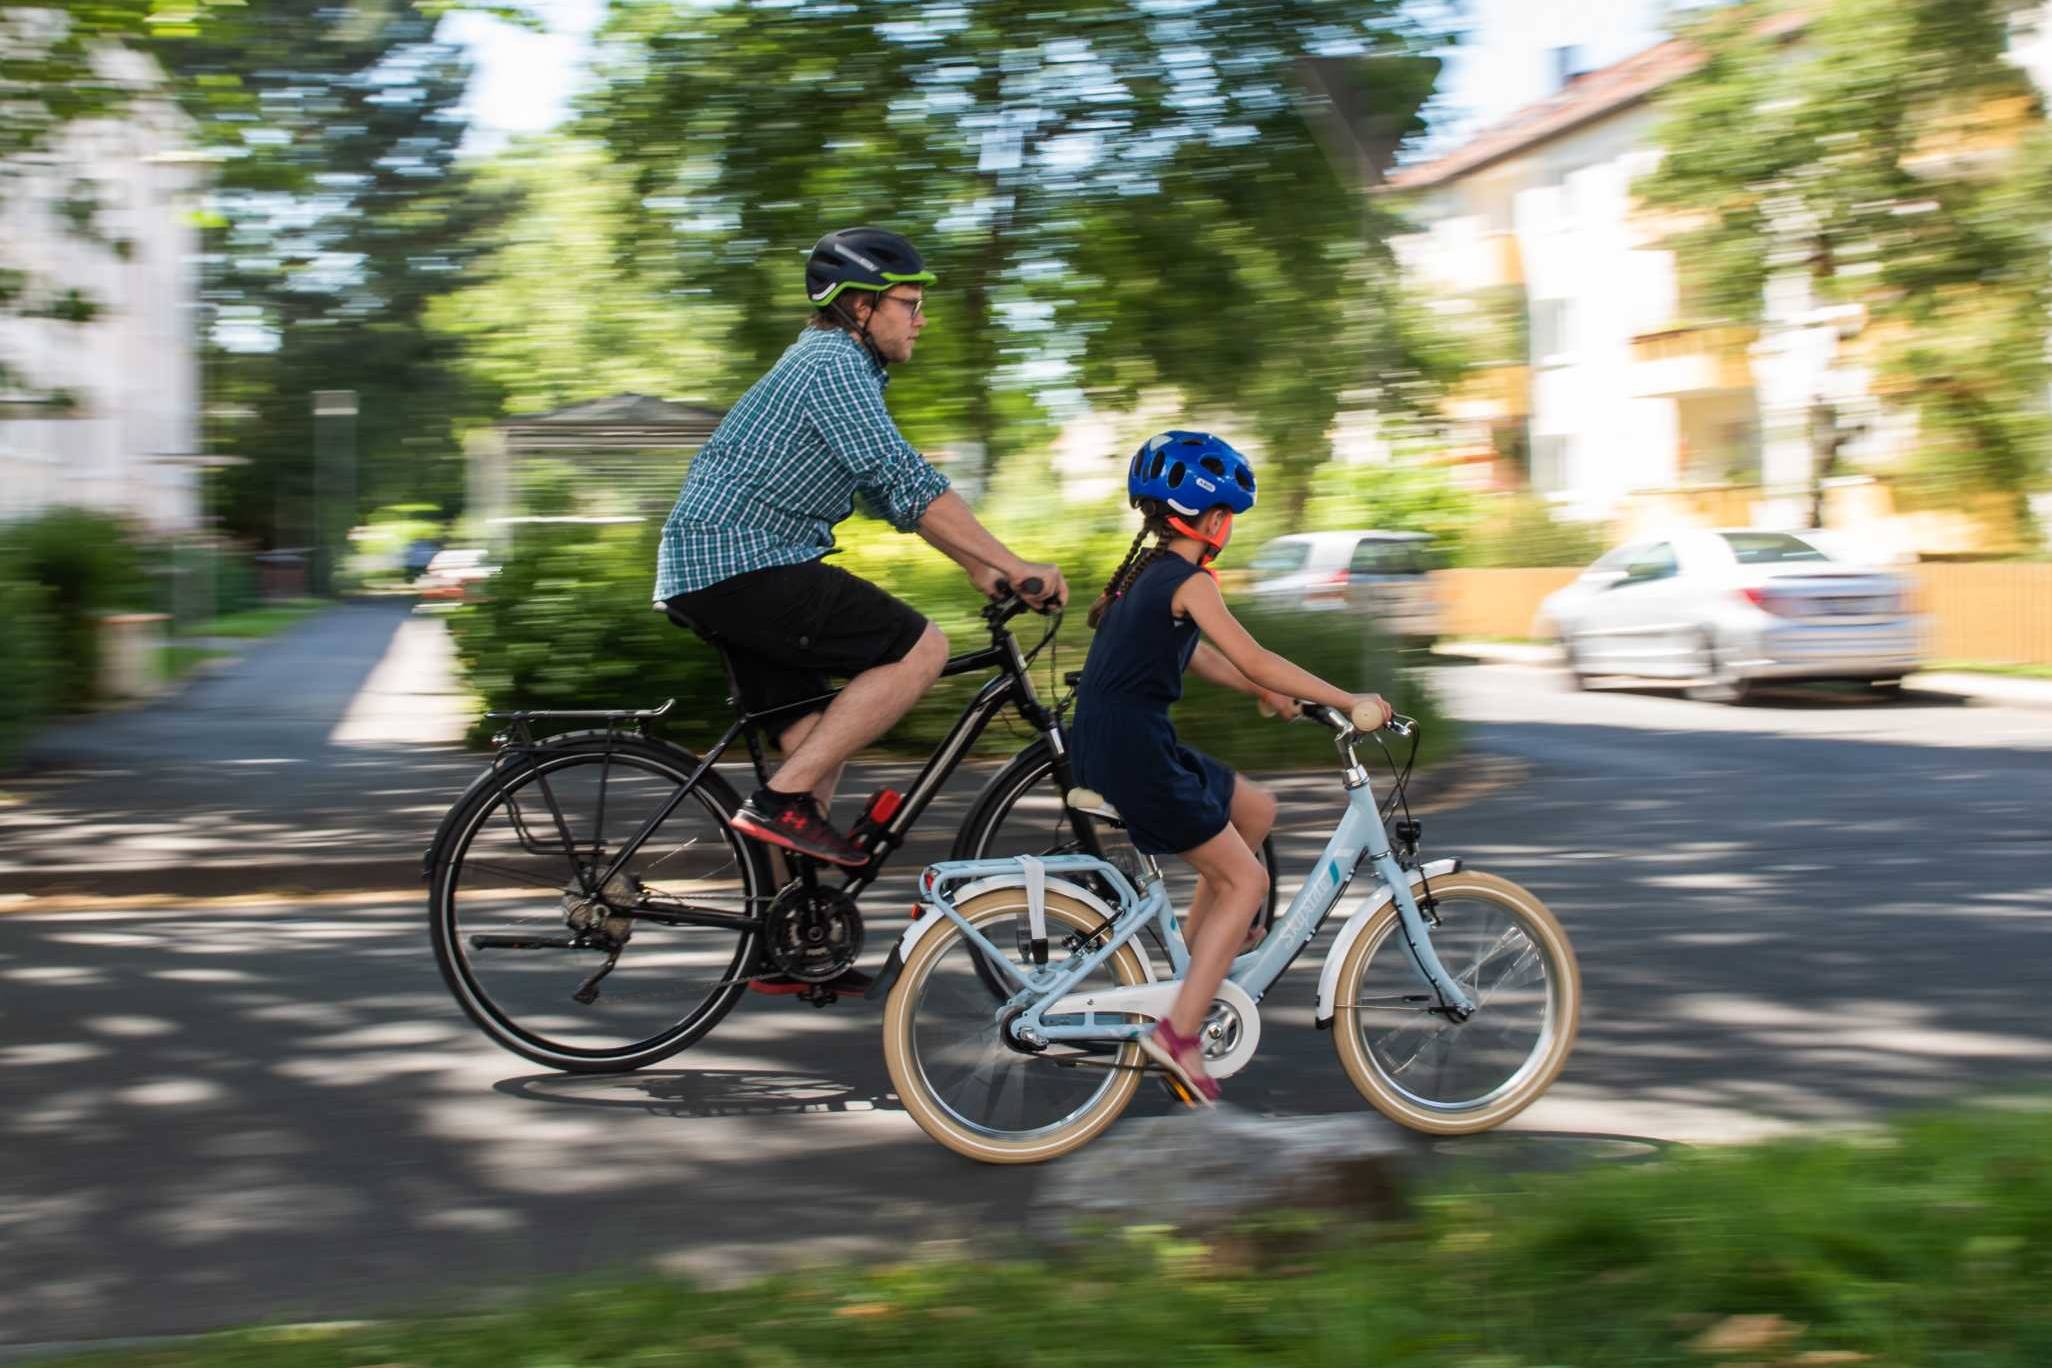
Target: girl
x=1188, y=485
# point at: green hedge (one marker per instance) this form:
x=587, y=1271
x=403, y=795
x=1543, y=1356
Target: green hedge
x=567, y=625
x=28, y=627
x=87, y=564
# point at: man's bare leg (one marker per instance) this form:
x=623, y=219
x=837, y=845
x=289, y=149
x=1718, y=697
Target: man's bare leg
x=865, y=710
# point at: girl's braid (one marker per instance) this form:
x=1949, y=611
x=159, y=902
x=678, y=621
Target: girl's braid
x=1129, y=569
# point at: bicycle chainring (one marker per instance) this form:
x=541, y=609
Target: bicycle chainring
x=813, y=934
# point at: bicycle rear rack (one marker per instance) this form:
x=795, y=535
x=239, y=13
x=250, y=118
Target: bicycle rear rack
x=614, y=718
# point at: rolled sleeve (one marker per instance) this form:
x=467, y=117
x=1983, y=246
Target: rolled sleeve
x=895, y=482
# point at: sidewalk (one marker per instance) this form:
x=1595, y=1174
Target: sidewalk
x=321, y=758
x=2008, y=691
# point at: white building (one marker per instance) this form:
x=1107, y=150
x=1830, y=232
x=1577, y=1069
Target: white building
x=1624, y=400
x=104, y=413
x=1623, y=391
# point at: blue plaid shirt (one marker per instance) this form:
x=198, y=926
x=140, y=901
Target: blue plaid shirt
x=786, y=464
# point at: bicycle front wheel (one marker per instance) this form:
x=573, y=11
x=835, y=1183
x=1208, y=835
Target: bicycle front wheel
x=518, y=938
x=1419, y=1069
x=956, y=1070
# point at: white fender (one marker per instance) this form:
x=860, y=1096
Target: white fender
x=932, y=918
x=1376, y=899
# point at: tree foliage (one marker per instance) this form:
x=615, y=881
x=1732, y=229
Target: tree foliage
x=340, y=213
x=1889, y=149
x=1116, y=196
x=566, y=301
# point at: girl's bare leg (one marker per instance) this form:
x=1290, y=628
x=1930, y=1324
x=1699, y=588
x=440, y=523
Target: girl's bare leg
x=1238, y=883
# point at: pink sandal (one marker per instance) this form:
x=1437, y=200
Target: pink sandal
x=1163, y=1045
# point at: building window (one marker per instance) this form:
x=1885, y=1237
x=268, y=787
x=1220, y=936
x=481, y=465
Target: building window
x=1553, y=325
x=1552, y=462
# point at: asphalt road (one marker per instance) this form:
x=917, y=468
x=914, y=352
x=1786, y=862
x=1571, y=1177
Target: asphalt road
x=1806, y=913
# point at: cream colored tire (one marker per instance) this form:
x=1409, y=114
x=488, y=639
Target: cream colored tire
x=1378, y=966
x=947, y=950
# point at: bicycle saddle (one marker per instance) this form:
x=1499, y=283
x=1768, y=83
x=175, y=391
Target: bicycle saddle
x=1092, y=802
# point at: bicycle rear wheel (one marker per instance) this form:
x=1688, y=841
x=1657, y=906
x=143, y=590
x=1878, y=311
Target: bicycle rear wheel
x=518, y=940
x=1419, y=1069
x=953, y=1067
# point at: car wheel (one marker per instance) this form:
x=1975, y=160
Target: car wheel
x=1717, y=681
x=1571, y=661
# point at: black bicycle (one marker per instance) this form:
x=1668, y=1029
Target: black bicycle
x=593, y=909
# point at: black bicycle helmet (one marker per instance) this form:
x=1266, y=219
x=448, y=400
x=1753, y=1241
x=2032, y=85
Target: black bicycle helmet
x=861, y=259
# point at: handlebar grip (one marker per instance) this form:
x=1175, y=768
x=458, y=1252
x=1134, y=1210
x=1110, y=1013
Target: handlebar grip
x=1030, y=586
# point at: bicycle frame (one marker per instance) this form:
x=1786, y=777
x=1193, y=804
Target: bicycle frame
x=1358, y=838
x=1012, y=685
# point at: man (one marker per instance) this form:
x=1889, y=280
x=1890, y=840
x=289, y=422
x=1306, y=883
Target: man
x=741, y=551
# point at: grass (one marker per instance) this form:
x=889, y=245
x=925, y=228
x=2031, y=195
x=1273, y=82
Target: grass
x=256, y=622
x=176, y=662
x=1986, y=667
x=1929, y=1243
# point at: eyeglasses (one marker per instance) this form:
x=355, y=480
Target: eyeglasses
x=916, y=303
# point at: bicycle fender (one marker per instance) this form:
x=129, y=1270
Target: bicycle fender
x=1373, y=902
x=932, y=919
x=431, y=858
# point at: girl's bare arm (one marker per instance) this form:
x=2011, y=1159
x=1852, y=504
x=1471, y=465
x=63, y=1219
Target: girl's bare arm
x=1198, y=598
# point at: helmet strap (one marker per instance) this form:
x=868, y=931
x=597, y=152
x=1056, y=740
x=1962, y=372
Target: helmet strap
x=1212, y=545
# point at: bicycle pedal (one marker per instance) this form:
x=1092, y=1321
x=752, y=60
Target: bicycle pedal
x=819, y=997
x=1177, y=1090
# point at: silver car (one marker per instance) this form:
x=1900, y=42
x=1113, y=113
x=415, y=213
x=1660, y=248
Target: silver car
x=1730, y=609
x=1385, y=576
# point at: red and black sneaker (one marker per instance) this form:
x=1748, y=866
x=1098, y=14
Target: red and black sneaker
x=795, y=823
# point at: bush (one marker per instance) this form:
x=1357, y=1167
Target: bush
x=1522, y=530
x=568, y=625
x=26, y=625
x=1393, y=498
x=87, y=564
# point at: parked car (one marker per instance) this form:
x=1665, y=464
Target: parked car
x=418, y=556
x=1386, y=576
x=452, y=573
x=1728, y=609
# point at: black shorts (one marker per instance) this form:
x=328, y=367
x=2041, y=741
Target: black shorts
x=790, y=627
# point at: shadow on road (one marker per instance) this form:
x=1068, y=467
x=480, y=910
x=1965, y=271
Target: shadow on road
x=213, y=1116
x=693, y=1093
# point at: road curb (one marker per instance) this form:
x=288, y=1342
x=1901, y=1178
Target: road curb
x=2001, y=690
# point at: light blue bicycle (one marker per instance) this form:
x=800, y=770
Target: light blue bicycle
x=1453, y=996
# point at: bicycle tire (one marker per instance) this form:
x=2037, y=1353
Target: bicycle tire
x=987, y=1080
x=504, y=831
x=1384, y=1030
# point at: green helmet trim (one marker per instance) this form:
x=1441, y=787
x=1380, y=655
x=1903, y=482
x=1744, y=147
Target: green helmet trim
x=889, y=279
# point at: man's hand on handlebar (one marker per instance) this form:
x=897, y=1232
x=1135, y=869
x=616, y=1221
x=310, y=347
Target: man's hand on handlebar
x=988, y=581
x=1041, y=587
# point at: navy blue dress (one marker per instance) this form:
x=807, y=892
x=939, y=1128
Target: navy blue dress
x=1172, y=798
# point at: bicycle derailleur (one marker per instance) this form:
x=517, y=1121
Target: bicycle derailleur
x=814, y=935
x=598, y=924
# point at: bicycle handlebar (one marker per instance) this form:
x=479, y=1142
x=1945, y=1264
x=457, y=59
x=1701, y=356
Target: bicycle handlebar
x=1010, y=604
x=1343, y=724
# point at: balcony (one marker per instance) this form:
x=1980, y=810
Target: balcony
x=1492, y=394
x=1690, y=359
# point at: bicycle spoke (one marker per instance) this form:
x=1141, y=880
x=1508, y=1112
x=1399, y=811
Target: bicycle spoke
x=669, y=976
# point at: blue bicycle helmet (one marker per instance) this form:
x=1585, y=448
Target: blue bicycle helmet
x=1191, y=472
